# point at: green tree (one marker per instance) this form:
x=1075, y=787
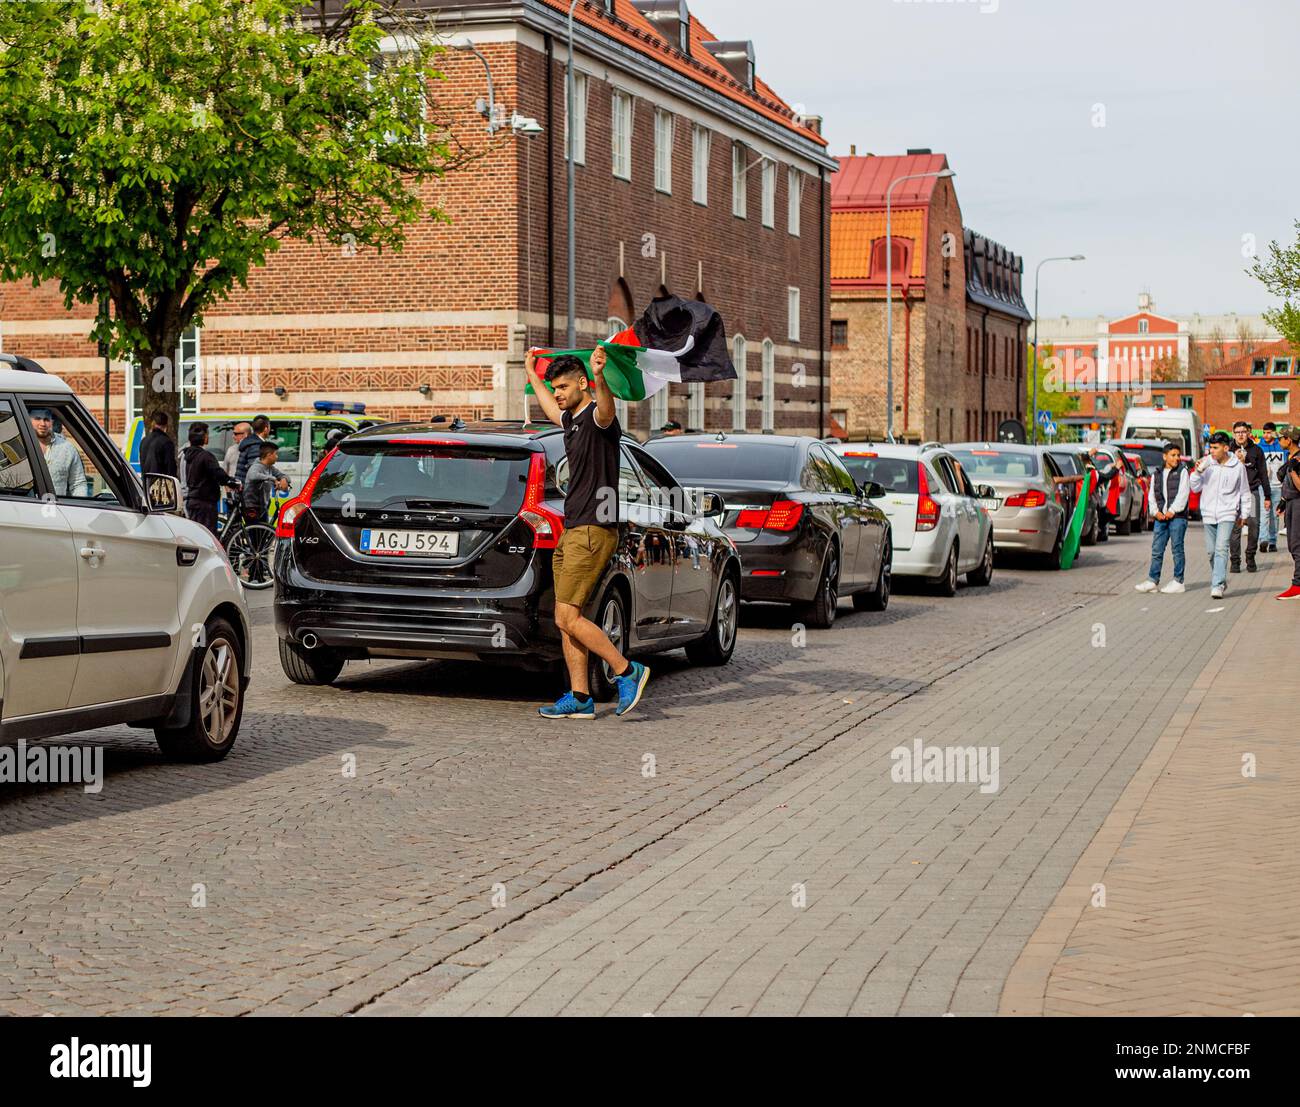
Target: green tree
x=1053, y=384
x=157, y=150
x=1280, y=274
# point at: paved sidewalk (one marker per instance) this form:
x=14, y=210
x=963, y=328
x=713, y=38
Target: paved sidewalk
x=849, y=893
x=1199, y=860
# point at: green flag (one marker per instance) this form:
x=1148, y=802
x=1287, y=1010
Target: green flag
x=1070, y=547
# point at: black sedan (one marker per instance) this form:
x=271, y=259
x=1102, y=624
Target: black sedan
x=806, y=532
x=412, y=541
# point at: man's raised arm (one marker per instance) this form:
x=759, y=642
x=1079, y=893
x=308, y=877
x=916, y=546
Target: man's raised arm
x=545, y=400
x=604, y=397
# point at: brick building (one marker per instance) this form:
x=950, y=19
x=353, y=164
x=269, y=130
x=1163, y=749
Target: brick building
x=691, y=175
x=1260, y=387
x=960, y=324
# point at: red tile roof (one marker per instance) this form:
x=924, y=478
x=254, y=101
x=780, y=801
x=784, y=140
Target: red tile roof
x=631, y=28
x=1241, y=366
x=861, y=182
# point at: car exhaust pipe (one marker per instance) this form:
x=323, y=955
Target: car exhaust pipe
x=310, y=641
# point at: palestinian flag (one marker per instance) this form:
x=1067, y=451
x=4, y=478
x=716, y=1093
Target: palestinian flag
x=1073, y=535
x=675, y=340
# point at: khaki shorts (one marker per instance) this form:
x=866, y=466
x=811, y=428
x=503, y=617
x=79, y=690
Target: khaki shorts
x=579, y=560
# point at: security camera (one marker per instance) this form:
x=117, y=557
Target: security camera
x=525, y=125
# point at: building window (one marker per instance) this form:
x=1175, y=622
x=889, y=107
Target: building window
x=793, y=303
x=614, y=325
x=700, y=141
x=769, y=193
x=1157, y=399
x=839, y=334
x=738, y=180
x=1281, y=366
x=900, y=251
x=1277, y=400
x=769, y=384
x=622, y=135
x=1102, y=404
x=1143, y=326
x=1258, y=366
x=1241, y=397
x=793, y=199
x=695, y=406
x=663, y=150
x=738, y=386
x=187, y=357
x=579, y=118
x=1187, y=401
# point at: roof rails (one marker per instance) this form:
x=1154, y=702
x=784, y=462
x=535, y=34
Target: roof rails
x=19, y=362
x=930, y=446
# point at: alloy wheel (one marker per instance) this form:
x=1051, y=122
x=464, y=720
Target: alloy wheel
x=218, y=691
x=611, y=622
x=726, y=614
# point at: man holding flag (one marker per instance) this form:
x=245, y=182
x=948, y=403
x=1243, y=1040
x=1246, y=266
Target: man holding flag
x=591, y=444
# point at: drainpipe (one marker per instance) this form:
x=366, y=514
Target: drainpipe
x=550, y=192
x=984, y=370
x=907, y=356
x=822, y=307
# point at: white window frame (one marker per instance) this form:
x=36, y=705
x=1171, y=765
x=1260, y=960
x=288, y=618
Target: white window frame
x=701, y=143
x=658, y=409
x=794, y=200
x=580, y=89
x=769, y=193
x=664, y=151
x=792, y=306
x=1143, y=326
x=695, y=405
x=739, y=190
x=620, y=130
x=1276, y=408
x=1241, y=392
x=739, y=357
x=769, y=385
x=187, y=359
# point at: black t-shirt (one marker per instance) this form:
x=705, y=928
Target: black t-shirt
x=592, y=450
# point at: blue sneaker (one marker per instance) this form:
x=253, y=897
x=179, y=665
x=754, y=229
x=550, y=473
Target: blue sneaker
x=568, y=706
x=630, y=687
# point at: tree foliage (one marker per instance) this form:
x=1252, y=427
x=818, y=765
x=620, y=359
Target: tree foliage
x=1280, y=274
x=157, y=150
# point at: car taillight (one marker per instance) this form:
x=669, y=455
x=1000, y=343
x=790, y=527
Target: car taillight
x=783, y=515
x=546, y=525
x=927, y=511
x=1032, y=498
x=293, y=509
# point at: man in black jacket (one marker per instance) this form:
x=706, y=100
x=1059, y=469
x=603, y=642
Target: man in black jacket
x=157, y=450
x=1250, y=455
x=204, y=478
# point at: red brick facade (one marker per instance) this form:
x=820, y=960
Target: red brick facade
x=457, y=307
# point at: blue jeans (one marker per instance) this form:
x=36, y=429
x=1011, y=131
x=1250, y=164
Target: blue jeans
x=1217, y=537
x=1174, y=529
x=1268, y=521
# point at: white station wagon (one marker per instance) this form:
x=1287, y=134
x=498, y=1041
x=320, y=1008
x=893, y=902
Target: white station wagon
x=113, y=608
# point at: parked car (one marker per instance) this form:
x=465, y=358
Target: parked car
x=1070, y=462
x=1181, y=425
x=937, y=523
x=1143, y=476
x=806, y=533
x=113, y=608
x=1027, y=507
x=411, y=541
x=1153, y=454
x=1118, y=497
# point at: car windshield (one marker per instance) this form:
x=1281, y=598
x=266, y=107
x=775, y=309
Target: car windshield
x=1154, y=456
x=997, y=464
x=692, y=459
x=893, y=474
x=376, y=475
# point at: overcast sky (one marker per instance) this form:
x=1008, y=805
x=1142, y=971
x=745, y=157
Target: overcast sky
x=1201, y=104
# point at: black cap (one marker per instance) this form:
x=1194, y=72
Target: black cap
x=671, y=425
x=1221, y=438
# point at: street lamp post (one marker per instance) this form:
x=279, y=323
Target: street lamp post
x=889, y=294
x=1070, y=257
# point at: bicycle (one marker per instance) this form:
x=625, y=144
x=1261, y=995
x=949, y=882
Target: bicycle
x=250, y=547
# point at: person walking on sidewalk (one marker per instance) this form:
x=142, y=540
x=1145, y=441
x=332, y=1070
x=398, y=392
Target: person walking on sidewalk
x=1171, y=488
x=1250, y=455
x=590, y=536
x=1220, y=477
x=1274, y=456
x=1289, y=506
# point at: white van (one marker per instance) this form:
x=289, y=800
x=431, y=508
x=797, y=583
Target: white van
x=1174, y=424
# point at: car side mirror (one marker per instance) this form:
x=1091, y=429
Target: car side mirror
x=162, y=493
x=711, y=503
x=986, y=492
x=871, y=490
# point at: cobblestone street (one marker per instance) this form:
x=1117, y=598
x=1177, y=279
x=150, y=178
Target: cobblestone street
x=484, y=859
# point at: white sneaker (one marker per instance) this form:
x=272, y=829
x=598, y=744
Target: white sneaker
x=1146, y=586
x=1216, y=593
x=1173, y=588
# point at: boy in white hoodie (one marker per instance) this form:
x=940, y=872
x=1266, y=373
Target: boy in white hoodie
x=1226, y=503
